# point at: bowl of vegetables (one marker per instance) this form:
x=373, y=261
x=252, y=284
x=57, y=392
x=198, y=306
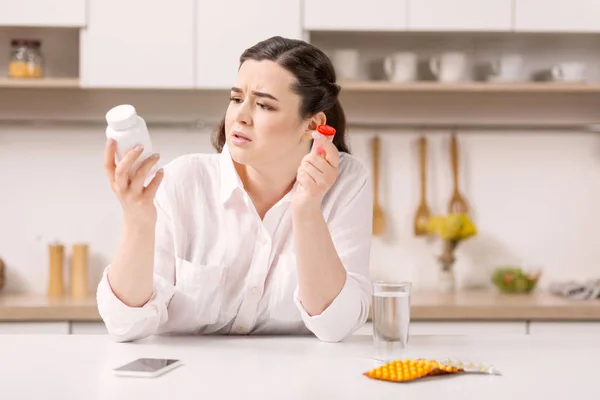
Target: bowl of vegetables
x=511, y=279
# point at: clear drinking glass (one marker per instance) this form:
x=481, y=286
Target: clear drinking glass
x=391, y=319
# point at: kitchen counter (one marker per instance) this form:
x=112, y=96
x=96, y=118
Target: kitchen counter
x=425, y=306
x=492, y=305
x=230, y=367
x=26, y=307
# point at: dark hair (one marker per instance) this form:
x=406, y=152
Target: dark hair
x=315, y=83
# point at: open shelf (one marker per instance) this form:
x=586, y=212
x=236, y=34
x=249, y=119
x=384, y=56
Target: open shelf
x=469, y=87
x=40, y=83
x=372, y=86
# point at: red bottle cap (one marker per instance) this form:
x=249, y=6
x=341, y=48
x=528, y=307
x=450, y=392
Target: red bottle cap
x=326, y=130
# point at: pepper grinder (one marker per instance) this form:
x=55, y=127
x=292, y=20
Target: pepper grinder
x=79, y=271
x=56, y=287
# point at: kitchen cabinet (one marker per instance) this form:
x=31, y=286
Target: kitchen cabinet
x=468, y=328
x=38, y=328
x=460, y=15
x=564, y=327
x=459, y=328
x=88, y=328
x=341, y=15
x=53, y=328
x=223, y=33
x=557, y=15
x=43, y=13
x=140, y=44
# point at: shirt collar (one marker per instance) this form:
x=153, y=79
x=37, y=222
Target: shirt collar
x=230, y=179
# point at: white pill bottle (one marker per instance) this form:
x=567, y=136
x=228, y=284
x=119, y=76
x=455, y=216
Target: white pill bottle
x=128, y=129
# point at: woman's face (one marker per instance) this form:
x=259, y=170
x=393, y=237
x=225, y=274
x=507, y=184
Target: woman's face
x=262, y=123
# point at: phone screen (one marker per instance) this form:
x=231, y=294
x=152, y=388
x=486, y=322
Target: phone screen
x=146, y=365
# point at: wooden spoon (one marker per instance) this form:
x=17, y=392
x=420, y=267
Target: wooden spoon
x=423, y=213
x=378, y=216
x=457, y=202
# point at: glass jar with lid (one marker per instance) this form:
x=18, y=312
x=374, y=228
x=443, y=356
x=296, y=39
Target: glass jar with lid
x=26, y=59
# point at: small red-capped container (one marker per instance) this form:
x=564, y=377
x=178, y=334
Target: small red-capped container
x=328, y=132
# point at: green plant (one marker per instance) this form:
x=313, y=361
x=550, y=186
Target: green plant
x=511, y=279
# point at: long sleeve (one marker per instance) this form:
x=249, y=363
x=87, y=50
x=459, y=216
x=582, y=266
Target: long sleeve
x=350, y=227
x=126, y=323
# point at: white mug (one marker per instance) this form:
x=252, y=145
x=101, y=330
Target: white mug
x=346, y=62
x=569, y=72
x=448, y=67
x=506, y=68
x=401, y=67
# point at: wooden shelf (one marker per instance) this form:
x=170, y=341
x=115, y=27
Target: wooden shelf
x=470, y=87
x=42, y=83
x=372, y=86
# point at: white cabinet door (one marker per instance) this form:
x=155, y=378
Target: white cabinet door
x=468, y=328
x=557, y=15
x=460, y=15
x=364, y=15
x=458, y=328
x=564, y=327
x=88, y=328
x=36, y=328
x=366, y=329
x=43, y=13
x=224, y=32
x=138, y=44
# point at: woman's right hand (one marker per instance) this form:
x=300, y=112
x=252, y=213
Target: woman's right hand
x=136, y=200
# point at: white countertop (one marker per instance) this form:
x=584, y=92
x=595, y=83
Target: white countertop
x=288, y=368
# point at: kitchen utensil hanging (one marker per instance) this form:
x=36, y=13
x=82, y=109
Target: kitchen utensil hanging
x=457, y=203
x=378, y=215
x=423, y=213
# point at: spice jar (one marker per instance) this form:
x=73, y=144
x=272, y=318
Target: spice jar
x=26, y=59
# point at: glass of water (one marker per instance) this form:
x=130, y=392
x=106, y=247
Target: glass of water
x=391, y=319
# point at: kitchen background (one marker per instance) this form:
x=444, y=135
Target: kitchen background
x=529, y=159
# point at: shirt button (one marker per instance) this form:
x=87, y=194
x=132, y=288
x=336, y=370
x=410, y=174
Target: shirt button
x=254, y=290
x=240, y=330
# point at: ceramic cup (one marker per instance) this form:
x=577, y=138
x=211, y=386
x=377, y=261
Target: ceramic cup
x=401, y=67
x=505, y=69
x=569, y=72
x=346, y=62
x=449, y=67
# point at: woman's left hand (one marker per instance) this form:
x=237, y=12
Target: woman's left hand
x=317, y=173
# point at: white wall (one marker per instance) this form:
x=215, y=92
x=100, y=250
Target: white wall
x=534, y=197
x=54, y=188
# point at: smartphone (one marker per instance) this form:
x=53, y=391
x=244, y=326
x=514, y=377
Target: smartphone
x=147, y=367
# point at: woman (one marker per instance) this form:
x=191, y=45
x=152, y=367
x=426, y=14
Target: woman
x=266, y=237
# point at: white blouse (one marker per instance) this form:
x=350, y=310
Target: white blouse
x=220, y=269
